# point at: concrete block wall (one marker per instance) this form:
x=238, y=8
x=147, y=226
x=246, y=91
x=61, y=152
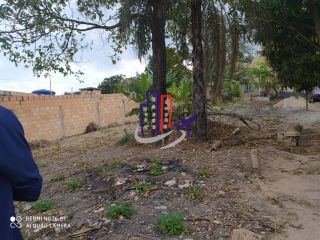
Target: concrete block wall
x=54, y=117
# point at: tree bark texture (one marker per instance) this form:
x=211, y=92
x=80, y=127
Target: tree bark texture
x=199, y=101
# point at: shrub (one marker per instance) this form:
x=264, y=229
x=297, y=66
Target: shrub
x=74, y=184
x=172, y=223
x=43, y=205
x=232, y=88
x=143, y=186
x=156, y=160
x=156, y=171
x=120, y=209
x=196, y=192
x=126, y=138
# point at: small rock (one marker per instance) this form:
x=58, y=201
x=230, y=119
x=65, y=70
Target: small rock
x=161, y=207
x=183, y=174
x=120, y=181
x=221, y=192
x=242, y=234
x=26, y=207
x=98, y=210
x=171, y=182
x=132, y=193
x=187, y=184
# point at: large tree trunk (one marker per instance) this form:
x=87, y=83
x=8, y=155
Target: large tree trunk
x=199, y=101
x=220, y=53
x=159, y=45
x=234, y=50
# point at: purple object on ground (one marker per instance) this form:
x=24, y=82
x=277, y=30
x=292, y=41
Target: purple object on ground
x=186, y=124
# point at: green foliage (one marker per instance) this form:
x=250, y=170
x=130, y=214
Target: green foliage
x=286, y=30
x=143, y=187
x=101, y=169
x=43, y=205
x=172, y=223
x=232, y=89
x=58, y=178
x=113, y=84
x=74, y=184
x=120, y=209
x=196, y=192
x=156, y=160
x=182, y=95
x=117, y=163
x=157, y=171
x=126, y=138
x=203, y=174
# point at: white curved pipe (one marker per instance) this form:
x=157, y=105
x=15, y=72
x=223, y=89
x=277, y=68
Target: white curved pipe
x=177, y=141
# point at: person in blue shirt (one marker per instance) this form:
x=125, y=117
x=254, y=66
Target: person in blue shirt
x=20, y=179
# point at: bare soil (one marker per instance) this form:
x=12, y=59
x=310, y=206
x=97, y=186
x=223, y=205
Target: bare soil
x=280, y=201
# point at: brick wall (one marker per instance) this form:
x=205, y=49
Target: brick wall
x=53, y=117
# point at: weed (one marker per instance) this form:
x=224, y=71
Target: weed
x=117, y=163
x=120, y=209
x=100, y=169
x=195, y=192
x=203, y=174
x=43, y=205
x=74, y=184
x=59, y=178
x=172, y=223
x=126, y=138
x=156, y=171
x=143, y=186
x=156, y=160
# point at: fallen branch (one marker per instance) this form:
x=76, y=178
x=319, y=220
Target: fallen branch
x=84, y=231
x=243, y=119
x=218, y=143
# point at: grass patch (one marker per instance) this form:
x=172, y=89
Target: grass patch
x=117, y=163
x=157, y=171
x=43, y=205
x=203, y=174
x=156, y=160
x=143, y=187
x=120, y=209
x=172, y=223
x=74, y=184
x=196, y=192
x=59, y=178
x=101, y=169
x=126, y=138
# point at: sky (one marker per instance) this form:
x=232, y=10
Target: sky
x=96, y=65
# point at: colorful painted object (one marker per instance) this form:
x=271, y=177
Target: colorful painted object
x=157, y=113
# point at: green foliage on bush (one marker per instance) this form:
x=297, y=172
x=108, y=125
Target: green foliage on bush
x=232, y=89
x=156, y=160
x=172, y=223
x=120, y=209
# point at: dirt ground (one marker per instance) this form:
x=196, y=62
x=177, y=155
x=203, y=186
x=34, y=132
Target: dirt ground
x=279, y=201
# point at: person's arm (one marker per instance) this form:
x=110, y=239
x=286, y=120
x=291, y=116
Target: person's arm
x=16, y=161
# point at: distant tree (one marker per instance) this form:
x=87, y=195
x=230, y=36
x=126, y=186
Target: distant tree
x=113, y=84
x=287, y=30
